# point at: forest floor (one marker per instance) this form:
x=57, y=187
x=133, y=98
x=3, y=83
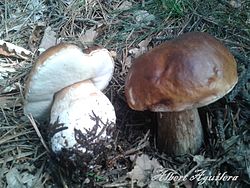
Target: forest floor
x=128, y=28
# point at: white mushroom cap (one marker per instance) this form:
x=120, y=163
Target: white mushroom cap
x=75, y=108
x=61, y=66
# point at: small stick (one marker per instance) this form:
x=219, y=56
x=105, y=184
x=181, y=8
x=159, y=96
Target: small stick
x=33, y=123
x=116, y=185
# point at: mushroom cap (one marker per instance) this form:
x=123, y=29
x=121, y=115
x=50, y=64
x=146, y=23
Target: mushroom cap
x=80, y=108
x=191, y=71
x=61, y=66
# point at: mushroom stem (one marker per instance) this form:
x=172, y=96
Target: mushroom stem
x=81, y=116
x=179, y=132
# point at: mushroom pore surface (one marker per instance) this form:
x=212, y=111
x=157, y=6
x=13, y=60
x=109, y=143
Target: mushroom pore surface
x=59, y=67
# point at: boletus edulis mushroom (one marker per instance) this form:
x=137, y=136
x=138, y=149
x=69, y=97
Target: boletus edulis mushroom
x=65, y=86
x=174, y=79
x=61, y=66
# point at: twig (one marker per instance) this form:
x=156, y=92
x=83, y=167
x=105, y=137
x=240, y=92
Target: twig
x=4, y=115
x=116, y=185
x=5, y=17
x=142, y=144
x=133, y=150
x=17, y=157
x=33, y=123
x=4, y=138
x=62, y=180
x=145, y=138
x=103, y=12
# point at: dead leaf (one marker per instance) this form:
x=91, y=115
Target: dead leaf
x=22, y=178
x=36, y=36
x=89, y=36
x=7, y=70
x=126, y=65
x=49, y=39
x=11, y=50
x=13, y=179
x=125, y=5
x=16, y=179
x=143, y=47
x=6, y=67
x=113, y=54
x=135, y=52
x=143, y=169
x=199, y=159
x=235, y=3
x=143, y=17
x=144, y=43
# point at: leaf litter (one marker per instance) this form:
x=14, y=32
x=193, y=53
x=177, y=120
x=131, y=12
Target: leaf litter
x=128, y=28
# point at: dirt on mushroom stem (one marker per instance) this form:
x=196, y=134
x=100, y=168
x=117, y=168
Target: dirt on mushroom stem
x=226, y=140
x=75, y=163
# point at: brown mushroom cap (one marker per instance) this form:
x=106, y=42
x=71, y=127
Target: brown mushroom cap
x=190, y=71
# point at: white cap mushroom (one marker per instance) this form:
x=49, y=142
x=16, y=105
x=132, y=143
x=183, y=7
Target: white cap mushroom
x=61, y=66
x=80, y=110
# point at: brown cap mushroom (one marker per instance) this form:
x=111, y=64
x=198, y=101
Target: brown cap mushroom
x=179, y=76
x=61, y=66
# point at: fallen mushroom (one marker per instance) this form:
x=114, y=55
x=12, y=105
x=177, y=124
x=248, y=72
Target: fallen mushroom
x=174, y=79
x=61, y=66
x=66, y=83
x=82, y=119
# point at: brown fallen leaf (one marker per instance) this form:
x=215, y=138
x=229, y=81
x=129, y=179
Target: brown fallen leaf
x=11, y=50
x=36, y=35
x=143, y=169
x=144, y=43
x=143, y=47
x=89, y=36
x=49, y=39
